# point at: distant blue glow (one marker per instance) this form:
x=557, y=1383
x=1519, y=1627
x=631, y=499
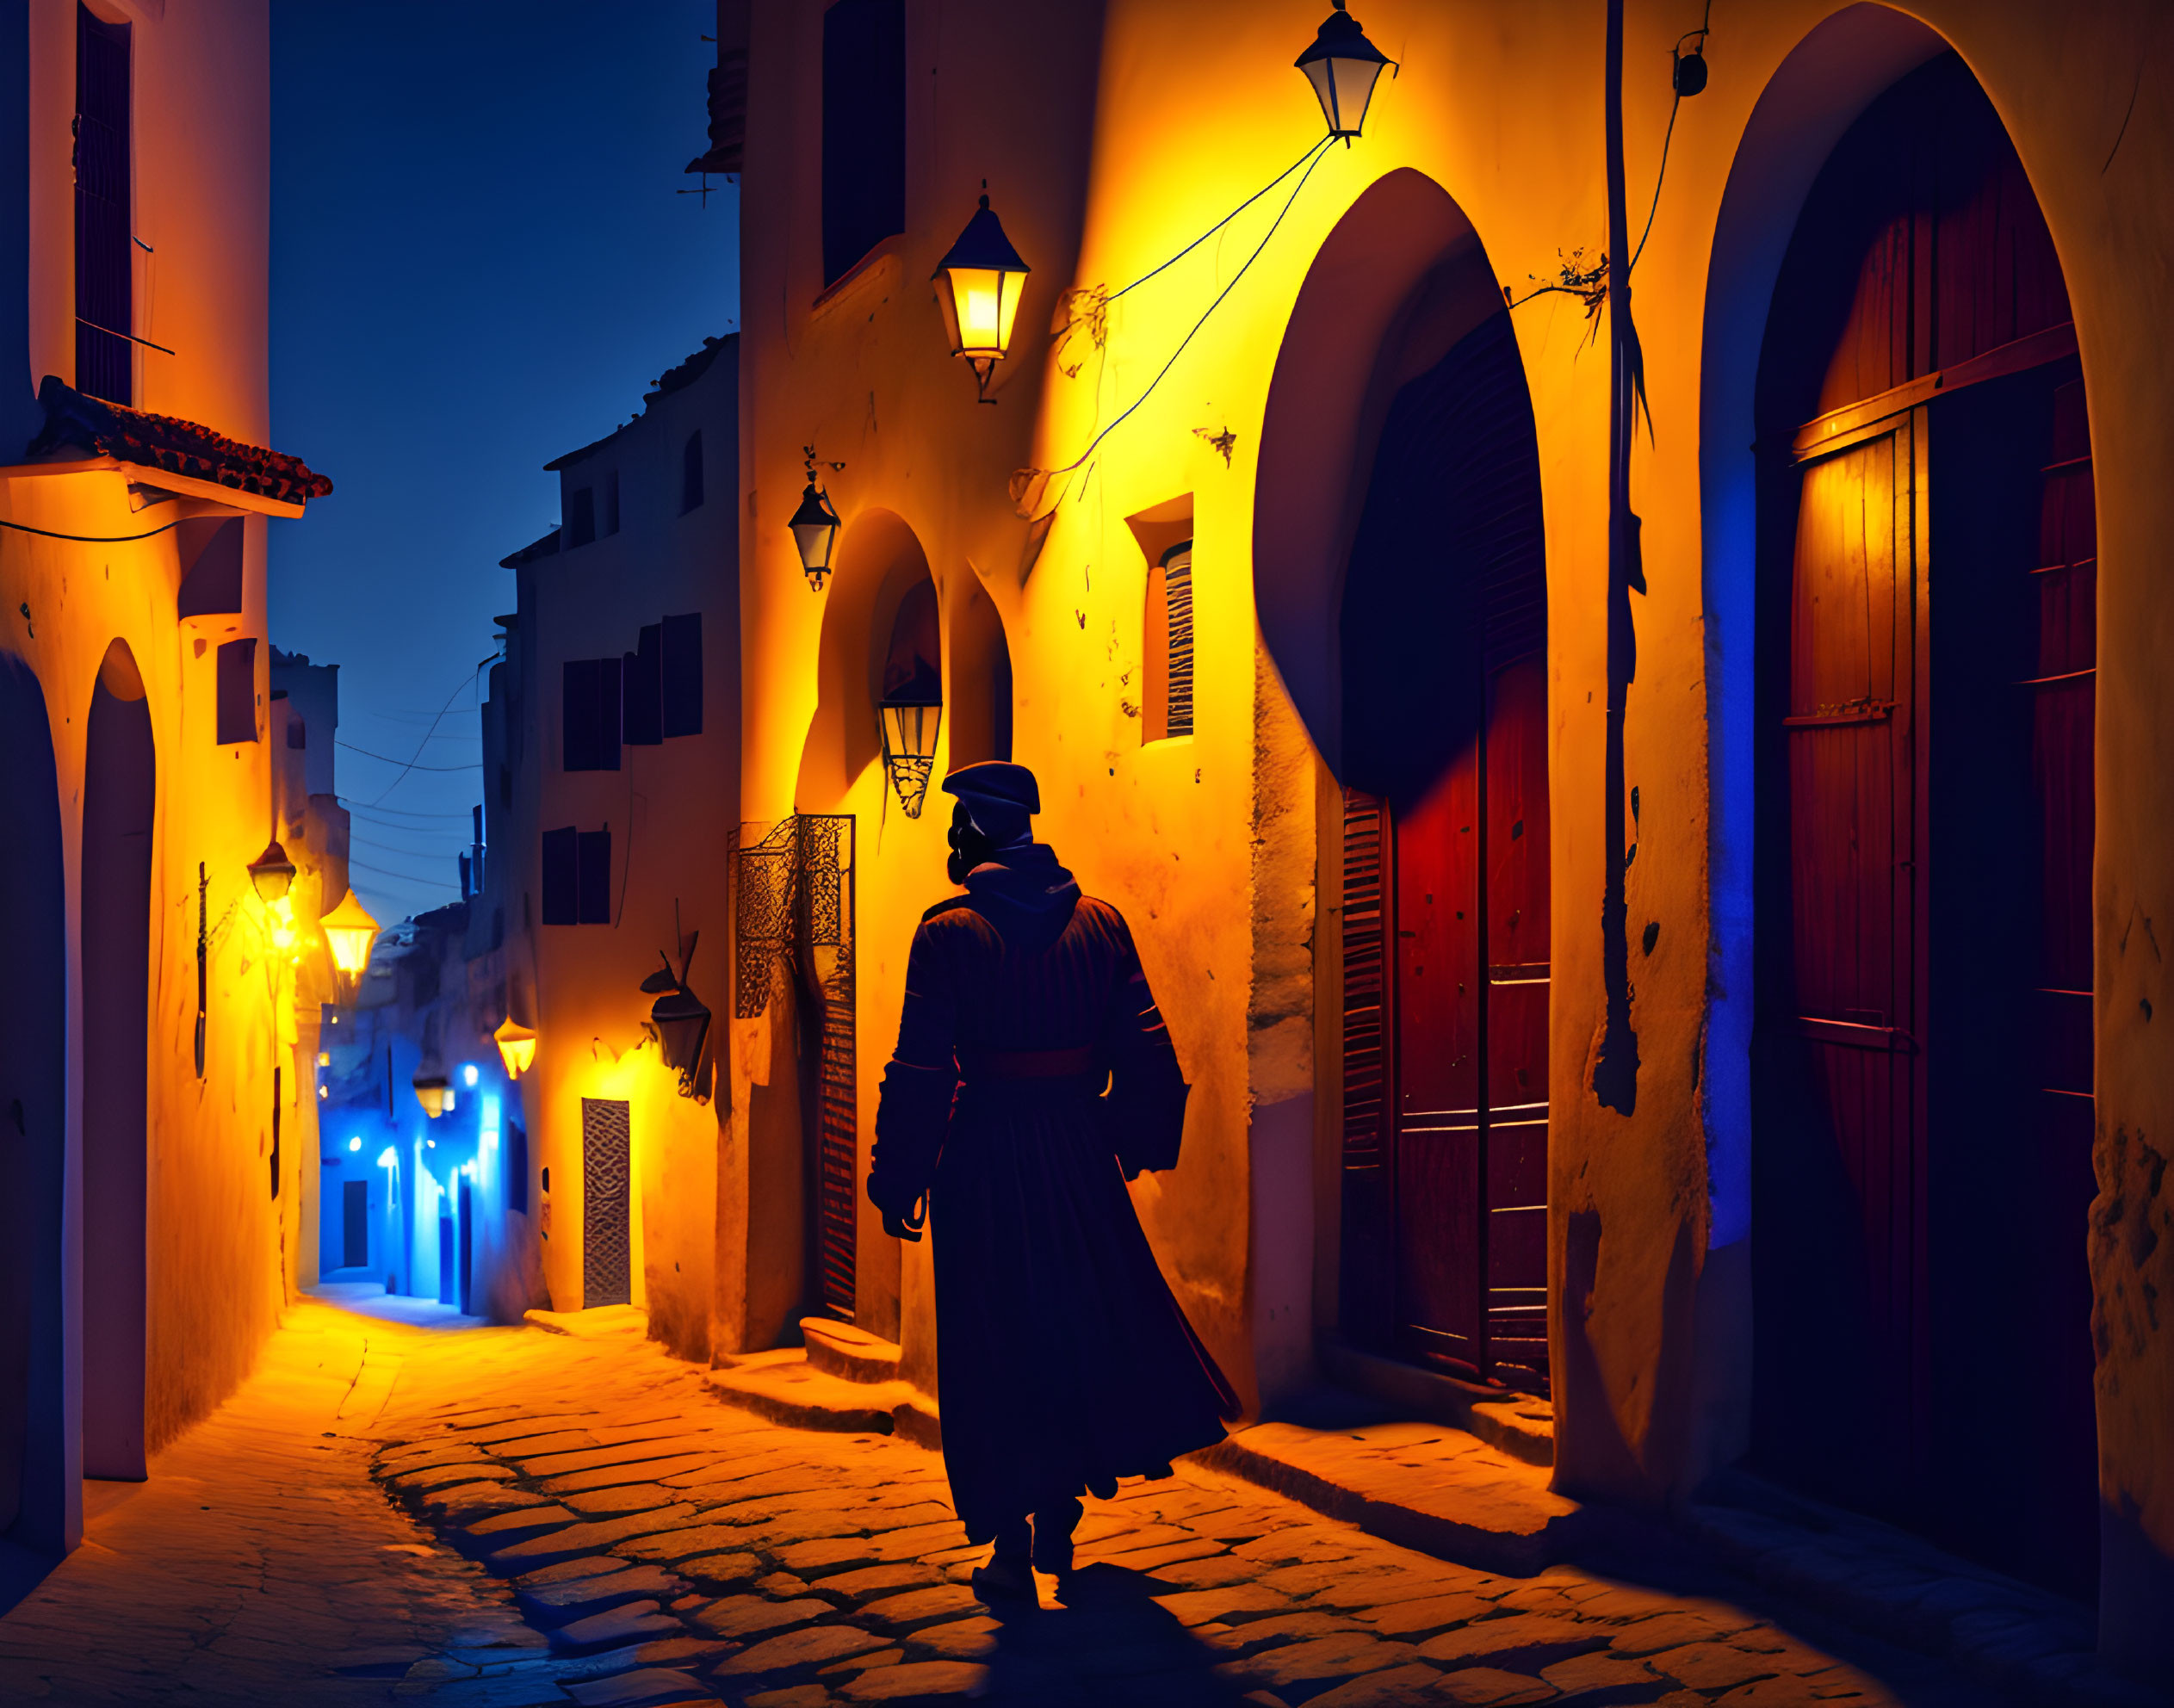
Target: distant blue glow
x=388, y=1158
x=355, y=1143
x=468, y=1074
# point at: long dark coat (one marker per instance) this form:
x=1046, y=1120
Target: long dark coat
x=1064, y=1361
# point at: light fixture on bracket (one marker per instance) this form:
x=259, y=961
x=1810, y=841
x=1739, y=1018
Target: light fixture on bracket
x=814, y=524
x=978, y=284
x=680, y=1018
x=1342, y=66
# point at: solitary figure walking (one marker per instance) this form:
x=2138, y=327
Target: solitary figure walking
x=1033, y=1078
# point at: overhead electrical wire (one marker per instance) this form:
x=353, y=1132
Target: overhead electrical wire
x=409, y=765
x=1317, y=153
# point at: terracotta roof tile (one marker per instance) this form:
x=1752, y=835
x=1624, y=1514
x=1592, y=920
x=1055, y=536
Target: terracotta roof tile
x=166, y=442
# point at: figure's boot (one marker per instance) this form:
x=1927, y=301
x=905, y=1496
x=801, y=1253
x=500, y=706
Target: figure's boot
x=1009, y=1576
x=1053, y=1528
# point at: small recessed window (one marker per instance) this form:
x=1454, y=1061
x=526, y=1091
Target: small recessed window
x=581, y=516
x=690, y=474
x=1167, y=699
x=237, y=691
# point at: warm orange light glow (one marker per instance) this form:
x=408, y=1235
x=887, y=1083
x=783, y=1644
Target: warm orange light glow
x=351, y=931
x=978, y=285
x=516, y=1047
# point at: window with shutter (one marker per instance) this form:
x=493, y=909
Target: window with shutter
x=683, y=675
x=561, y=883
x=863, y=130
x=594, y=877
x=105, y=295
x=588, y=714
x=1167, y=691
x=642, y=689
x=237, y=691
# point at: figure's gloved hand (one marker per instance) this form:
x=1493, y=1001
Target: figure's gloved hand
x=903, y=1214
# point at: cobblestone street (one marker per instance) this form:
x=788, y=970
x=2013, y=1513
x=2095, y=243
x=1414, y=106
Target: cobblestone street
x=631, y=1539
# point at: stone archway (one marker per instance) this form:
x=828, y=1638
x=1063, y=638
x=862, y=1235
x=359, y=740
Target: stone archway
x=120, y=790
x=37, y=1464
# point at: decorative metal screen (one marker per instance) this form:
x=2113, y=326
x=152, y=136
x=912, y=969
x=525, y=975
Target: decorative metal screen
x=606, y=1258
x=794, y=901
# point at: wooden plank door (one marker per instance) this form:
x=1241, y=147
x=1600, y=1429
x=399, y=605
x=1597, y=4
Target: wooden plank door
x=1440, y=1004
x=1515, y=910
x=1469, y=997
x=1852, y=1011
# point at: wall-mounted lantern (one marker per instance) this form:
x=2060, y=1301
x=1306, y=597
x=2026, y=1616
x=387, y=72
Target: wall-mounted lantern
x=433, y=1090
x=978, y=285
x=911, y=712
x=351, y=931
x=271, y=874
x=516, y=1047
x=679, y=1016
x=815, y=525
x=1343, y=66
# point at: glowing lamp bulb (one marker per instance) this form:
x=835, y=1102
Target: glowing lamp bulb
x=351, y=931
x=978, y=286
x=355, y=1143
x=516, y=1047
x=467, y=1076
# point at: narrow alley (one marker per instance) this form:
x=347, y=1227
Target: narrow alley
x=500, y=1517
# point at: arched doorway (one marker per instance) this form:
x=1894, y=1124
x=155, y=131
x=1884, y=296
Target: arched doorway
x=119, y=788
x=34, y=1499
x=1420, y=671
x=1922, y=1094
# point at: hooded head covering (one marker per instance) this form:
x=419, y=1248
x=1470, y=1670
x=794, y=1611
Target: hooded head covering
x=1020, y=888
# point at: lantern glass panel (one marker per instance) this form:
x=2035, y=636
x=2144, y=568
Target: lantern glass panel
x=979, y=309
x=1345, y=88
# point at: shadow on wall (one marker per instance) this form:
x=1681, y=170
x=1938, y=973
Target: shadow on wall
x=33, y=1468
x=120, y=790
x=1398, y=283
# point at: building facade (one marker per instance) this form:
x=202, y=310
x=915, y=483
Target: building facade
x=610, y=750
x=1545, y=919
x=153, y=1219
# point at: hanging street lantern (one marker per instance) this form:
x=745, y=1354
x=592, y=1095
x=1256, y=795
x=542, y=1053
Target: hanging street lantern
x=434, y=1092
x=683, y=1027
x=351, y=931
x=679, y=1017
x=977, y=287
x=1342, y=65
x=814, y=526
x=909, y=748
x=516, y=1047
x=911, y=710
x=271, y=874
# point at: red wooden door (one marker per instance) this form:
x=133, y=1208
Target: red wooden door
x=1853, y=1015
x=1469, y=1142
x=1921, y=1158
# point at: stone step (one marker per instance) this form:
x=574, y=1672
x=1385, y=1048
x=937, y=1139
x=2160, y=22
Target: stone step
x=1519, y=1425
x=602, y=1322
x=788, y=1387
x=1420, y=1485
x=851, y=1354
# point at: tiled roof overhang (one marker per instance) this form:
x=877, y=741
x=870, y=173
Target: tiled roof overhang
x=169, y=445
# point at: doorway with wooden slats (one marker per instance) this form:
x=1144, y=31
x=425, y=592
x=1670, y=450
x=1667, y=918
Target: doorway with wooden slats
x=1445, y=895
x=1922, y=1062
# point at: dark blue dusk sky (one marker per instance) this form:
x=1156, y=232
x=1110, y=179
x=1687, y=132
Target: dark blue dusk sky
x=478, y=261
